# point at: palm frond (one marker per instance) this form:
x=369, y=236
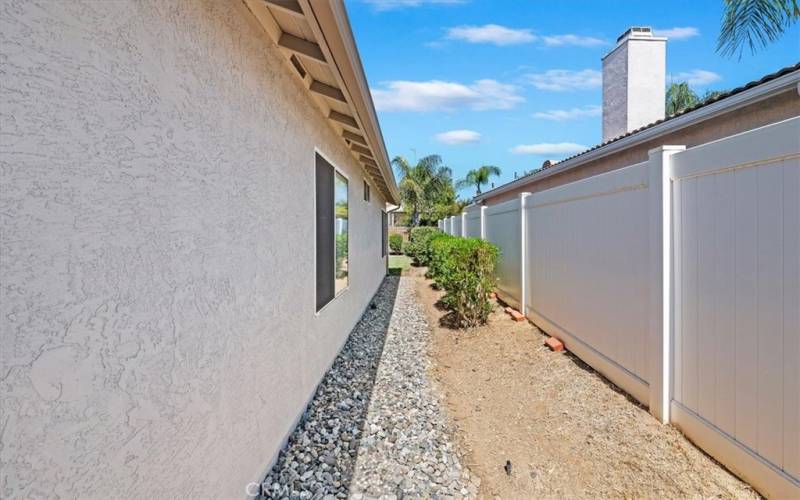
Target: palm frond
x=492, y=169
x=402, y=165
x=755, y=24
x=430, y=162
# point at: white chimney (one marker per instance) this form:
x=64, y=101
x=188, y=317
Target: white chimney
x=634, y=80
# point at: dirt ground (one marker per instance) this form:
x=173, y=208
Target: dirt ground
x=568, y=432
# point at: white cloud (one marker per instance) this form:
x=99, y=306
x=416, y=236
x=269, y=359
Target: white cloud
x=502, y=35
x=459, y=137
x=570, y=39
x=698, y=77
x=382, y=5
x=491, y=33
x=437, y=95
x=563, y=79
x=678, y=33
x=546, y=148
x=560, y=115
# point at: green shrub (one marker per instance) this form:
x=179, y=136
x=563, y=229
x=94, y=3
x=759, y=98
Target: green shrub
x=418, y=245
x=438, y=249
x=395, y=243
x=464, y=268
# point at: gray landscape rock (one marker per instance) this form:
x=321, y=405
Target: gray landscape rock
x=411, y=455
x=375, y=427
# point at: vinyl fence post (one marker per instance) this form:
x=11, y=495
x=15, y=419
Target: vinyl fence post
x=483, y=222
x=463, y=224
x=523, y=257
x=662, y=279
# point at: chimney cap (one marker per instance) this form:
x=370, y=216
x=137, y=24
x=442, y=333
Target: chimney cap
x=636, y=32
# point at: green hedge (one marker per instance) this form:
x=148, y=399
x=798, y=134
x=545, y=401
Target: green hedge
x=465, y=269
x=395, y=243
x=418, y=245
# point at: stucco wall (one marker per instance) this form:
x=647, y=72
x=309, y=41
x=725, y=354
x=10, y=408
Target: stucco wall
x=157, y=310
x=774, y=109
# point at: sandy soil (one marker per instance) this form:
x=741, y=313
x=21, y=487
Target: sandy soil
x=568, y=432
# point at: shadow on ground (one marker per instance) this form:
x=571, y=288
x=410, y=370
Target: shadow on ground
x=320, y=455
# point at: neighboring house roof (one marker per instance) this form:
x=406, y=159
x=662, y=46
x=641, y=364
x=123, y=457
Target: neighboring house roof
x=318, y=44
x=747, y=94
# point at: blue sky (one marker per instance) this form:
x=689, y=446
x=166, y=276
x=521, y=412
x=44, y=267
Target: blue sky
x=513, y=83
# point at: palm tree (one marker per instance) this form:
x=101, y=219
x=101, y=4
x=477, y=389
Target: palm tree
x=680, y=97
x=754, y=23
x=421, y=185
x=478, y=177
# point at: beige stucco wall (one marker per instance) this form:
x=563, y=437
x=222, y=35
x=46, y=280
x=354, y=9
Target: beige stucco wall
x=157, y=310
x=774, y=109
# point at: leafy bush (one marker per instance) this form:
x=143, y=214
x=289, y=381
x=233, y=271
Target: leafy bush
x=395, y=243
x=438, y=250
x=464, y=268
x=418, y=245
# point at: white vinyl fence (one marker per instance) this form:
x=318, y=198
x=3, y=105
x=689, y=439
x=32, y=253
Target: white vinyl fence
x=736, y=254
x=502, y=225
x=458, y=225
x=473, y=221
x=589, y=270
x=679, y=279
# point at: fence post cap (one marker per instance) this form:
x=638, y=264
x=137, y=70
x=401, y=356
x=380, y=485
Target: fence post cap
x=664, y=148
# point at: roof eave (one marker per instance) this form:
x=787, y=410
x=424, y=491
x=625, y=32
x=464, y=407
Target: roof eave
x=330, y=17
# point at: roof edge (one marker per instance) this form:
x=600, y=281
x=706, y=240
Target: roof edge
x=332, y=21
x=722, y=106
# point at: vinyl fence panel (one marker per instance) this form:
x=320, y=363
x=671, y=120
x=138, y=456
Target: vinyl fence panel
x=502, y=227
x=589, y=264
x=736, y=351
x=458, y=225
x=473, y=221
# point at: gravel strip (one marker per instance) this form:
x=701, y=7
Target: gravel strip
x=406, y=451
x=318, y=459
x=375, y=428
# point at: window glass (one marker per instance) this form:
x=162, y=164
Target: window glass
x=341, y=230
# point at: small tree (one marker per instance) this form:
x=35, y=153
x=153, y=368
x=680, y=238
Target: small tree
x=478, y=177
x=679, y=98
x=422, y=185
